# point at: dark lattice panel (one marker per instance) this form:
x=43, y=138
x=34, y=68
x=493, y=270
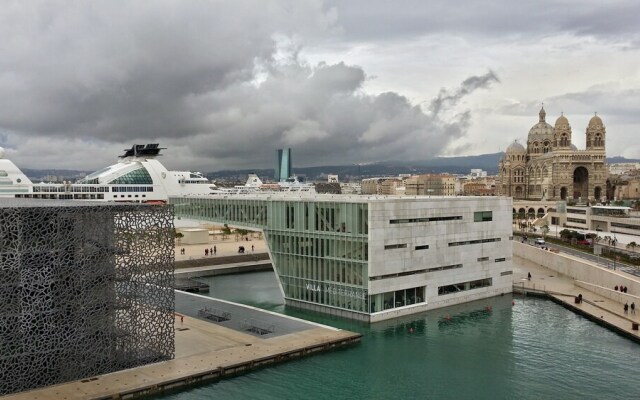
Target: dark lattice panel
x=84, y=290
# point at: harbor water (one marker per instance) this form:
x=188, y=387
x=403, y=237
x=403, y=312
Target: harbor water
x=502, y=348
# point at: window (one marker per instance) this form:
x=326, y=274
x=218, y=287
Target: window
x=452, y=244
x=462, y=286
x=482, y=216
x=444, y=267
x=430, y=219
x=395, y=246
x=501, y=259
x=483, y=258
x=506, y=273
x=137, y=176
x=422, y=247
x=388, y=276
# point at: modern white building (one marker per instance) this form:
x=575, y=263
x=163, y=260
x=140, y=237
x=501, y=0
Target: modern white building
x=373, y=258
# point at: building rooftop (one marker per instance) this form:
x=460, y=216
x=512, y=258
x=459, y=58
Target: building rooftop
x=337, y=197
x=34, y=203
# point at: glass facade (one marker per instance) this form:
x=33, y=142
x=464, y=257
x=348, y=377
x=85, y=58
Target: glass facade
x=319, y=248
x=138, y=176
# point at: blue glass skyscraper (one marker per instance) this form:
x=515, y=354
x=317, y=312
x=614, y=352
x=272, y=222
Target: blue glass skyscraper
x=283, y=168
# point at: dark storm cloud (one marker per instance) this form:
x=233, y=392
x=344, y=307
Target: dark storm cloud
x=218, y=82
x=500, y=20
x=449, y=97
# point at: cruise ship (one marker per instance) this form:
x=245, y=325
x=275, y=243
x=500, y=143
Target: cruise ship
x=137, y=177
x=254, y=185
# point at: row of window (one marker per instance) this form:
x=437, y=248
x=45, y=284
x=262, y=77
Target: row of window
x=422, y=271
x=577, y=220
x=463, y=286
x=466, y=242
x=479, y=216
x=452, y=244
x=625, y=226
x=426, y=219
x=576, y=210
x=89, y=189
x=398, y=298
x=133, y=189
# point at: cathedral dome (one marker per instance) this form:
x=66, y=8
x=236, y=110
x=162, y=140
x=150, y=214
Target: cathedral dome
x=516, y=147
x=541, y=130
x=562, y=122
x=595, y=122
x=573, y=147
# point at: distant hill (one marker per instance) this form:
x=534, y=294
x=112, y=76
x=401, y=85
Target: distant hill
x=453, y=165
x=37, y=175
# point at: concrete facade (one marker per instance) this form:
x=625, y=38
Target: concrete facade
x=375, y=257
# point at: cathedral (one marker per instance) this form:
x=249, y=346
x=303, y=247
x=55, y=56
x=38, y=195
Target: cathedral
x=551, y=167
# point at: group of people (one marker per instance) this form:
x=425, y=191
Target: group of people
x=633, y=308
x=211, y=251
x=623, y=289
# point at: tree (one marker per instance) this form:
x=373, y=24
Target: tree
x=632, y=246
x=226, y=231
x=544, y=229
x=241, y=232
x=565, y=234
x=178, y=236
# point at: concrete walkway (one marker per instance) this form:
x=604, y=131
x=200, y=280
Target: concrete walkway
x=227, y=247
x=204, y=351
x=564, y=290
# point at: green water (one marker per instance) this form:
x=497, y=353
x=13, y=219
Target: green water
x=532, y=350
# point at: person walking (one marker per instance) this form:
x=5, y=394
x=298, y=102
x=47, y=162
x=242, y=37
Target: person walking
x=529, y=276
x=252, y=248
x=215, y=250
x=626, y=308
x=206, y=252
x=633, y=308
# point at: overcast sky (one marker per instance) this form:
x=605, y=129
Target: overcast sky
x=222, y=84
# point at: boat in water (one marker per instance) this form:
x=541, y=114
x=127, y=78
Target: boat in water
x=137, y=177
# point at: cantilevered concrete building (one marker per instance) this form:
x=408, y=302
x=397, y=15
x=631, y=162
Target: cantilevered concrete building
x=374, y=257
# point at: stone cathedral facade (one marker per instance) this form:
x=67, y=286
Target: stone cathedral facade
x=551, y=167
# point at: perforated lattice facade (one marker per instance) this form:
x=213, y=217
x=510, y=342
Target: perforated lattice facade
x=85, y=289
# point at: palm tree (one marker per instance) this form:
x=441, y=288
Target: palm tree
x=632, y=246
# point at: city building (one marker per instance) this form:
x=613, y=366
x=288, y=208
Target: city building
x=625, y=186
x=374, y=257
x=477, y=173
x=614, y=219
x=621, y=168
x=284, y=168
x=552, y=168
x=373, y=185
x=431, y=184
x=86, y=289
x=479, y=187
